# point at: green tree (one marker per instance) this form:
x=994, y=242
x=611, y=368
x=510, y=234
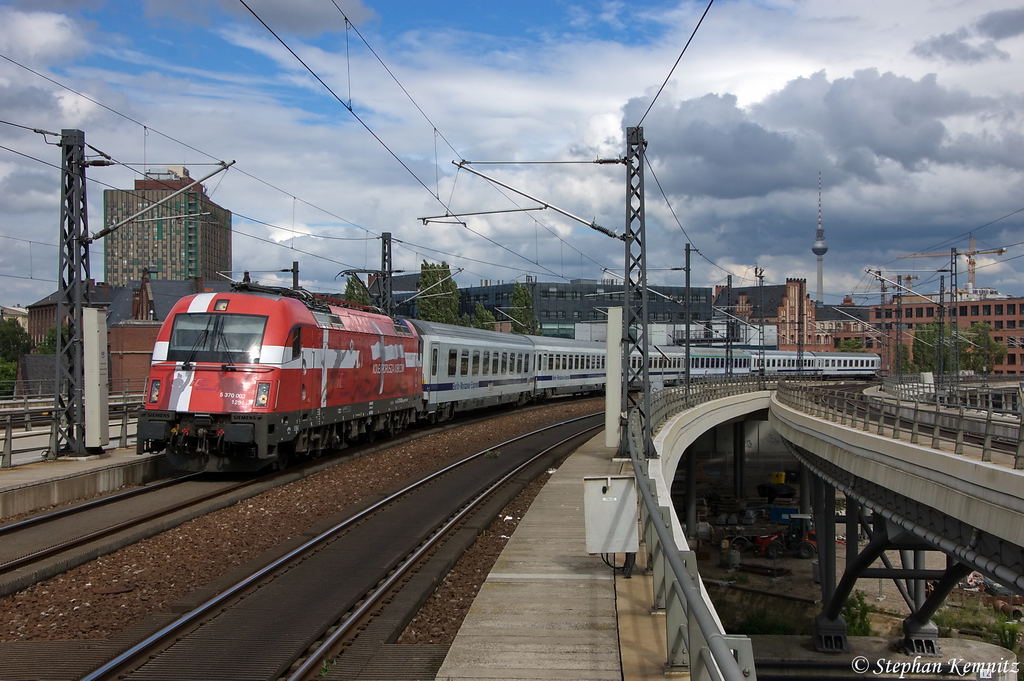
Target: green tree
x=925, y=349
x=523, y=321
x=855, y=613
x=48, y=346
x=851, y=345
x=982, y=353
x=439, y=296
x=482, y=318
x=8, y=372
x=355, y=291
x=14, y=340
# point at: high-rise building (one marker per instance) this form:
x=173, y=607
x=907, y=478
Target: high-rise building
x=187, y=237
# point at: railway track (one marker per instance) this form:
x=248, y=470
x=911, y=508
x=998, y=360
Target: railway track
x=338, y=592
x=46, y=545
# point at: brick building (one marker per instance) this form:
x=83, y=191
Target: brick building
x=898, y=319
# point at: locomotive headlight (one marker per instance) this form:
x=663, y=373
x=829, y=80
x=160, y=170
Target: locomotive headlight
x=262, y=394
x=154, y=391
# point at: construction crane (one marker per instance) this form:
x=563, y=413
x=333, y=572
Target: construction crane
x=970, y=258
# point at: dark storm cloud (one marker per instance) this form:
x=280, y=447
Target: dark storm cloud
x=711, y=147
x=852, y=126
x=18, y=102
x=1004, y=23
x=954, y=47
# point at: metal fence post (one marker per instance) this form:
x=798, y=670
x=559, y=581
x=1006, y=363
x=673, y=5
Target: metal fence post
x=896, y=422
x=5, y=461
x=913, y=429
x=935, y=427
x=958, y=448
x=986, y=452
x=122, y=441
x=1018, y=459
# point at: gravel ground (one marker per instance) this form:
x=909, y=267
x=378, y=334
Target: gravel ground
x=99, y=599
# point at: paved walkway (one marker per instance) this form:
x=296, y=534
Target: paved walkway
x=548, y=609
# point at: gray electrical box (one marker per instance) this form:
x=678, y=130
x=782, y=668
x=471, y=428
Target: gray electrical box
x=611, y=513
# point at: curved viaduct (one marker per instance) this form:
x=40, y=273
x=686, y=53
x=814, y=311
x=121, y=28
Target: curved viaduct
x=905, y=496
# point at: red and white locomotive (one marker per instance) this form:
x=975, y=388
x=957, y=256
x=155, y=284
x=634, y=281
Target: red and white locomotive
x=243, y=380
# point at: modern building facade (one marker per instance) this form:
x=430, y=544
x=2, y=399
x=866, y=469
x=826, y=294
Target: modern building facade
x=559, y=307
x=187, y=237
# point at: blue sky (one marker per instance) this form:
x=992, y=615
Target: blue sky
x=911, y=112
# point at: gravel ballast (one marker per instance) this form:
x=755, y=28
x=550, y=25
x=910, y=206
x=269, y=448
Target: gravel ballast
x=102, y=598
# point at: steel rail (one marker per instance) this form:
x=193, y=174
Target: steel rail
x=36, y=556
x=143, y=649
x=95, y=503
x=314, y=662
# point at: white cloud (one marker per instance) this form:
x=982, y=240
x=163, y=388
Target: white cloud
x=41, y=38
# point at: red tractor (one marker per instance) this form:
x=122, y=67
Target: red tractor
x=798, y=538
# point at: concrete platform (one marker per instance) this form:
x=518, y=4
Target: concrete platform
x=28, y=487
x=548, y=609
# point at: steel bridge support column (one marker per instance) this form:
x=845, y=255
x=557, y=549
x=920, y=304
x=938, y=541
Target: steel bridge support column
x=739, y=467
x=805, y=488
x=830, y=627
x=920, y=635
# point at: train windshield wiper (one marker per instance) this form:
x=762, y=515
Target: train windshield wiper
x=200, y=342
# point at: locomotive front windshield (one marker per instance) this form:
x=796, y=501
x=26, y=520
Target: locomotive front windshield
x=217, y=338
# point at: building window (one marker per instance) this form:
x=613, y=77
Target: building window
x=920, y=312
x=1011, y=308
x=929, y=312
x=1011, y=323
x=999, y=309
x=1011, y=358
x=974, y=310
x=999, y=324
x=888, y=313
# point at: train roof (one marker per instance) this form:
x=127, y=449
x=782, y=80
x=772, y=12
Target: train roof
x=468, y=333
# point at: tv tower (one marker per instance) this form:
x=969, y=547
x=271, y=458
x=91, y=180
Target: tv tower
x=820, y=248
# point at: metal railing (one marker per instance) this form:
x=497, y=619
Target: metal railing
x=1001, y=394
x=951, y=425
x=26, y=424
x=693, y=632
x=14, y=390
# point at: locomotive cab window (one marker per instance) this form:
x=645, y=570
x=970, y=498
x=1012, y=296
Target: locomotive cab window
x=217, y=338
x=295, y=342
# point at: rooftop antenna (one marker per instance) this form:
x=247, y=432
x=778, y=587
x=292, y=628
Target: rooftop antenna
x=820, y=248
